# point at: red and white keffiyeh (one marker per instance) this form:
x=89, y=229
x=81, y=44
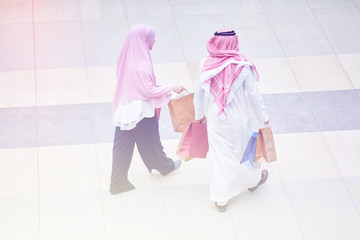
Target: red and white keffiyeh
x=225, y=57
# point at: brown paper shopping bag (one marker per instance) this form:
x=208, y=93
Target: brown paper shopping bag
x=182, y=112
x=265, y=145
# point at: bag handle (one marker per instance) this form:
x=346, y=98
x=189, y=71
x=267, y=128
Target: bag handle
x=182, y=94
x=203, y=120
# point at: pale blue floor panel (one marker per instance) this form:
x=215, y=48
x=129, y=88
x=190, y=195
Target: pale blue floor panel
x=91, y=123
x=18, y=127
x=335, y=110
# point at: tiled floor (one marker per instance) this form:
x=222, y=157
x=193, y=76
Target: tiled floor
x=57, y=77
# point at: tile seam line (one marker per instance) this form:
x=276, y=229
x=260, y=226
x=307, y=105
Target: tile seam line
x=36, y=117
x=92, y=120
x=165, y=207
x=179, y=35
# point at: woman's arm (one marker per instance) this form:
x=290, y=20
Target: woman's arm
x=199, y=97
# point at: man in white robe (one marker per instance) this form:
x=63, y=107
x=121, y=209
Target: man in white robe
x=226, y=92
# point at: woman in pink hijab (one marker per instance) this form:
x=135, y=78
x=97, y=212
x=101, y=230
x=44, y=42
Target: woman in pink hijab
x=136, y=98
x=226, y=92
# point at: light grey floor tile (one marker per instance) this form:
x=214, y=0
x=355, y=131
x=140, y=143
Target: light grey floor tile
x=186, y=9
x=330, y=3
x=212, y=22
x=201, y=225
x=139, y=8
x=337, y=15
x=16, y=12
x=70, y=204
x=299, y=32
x=349, y=235
x=96, y=10
x=187, y=198
x=18, y=127
x=59, y=29
x=66, y=44
x=19, y=207
x=273, y=220
x=167, y=38
x=47, y=11
x=16, y=30
x=353, y=184
x=103, y=40
x=9, y=46
x=29, y=230
x=116, y=29
x=254, y=19
x=59, y=60
x=276, y=5
x=261, y=49
x=341, y=30
x=16, y=62
x=173, y=2
x=90, y=228
x=335, y=110
x=345, y=45
x=161, y=54
x=292, y=17
x=58, y=37
x=307, y=48
x=101, y=119
x=289, y=113
x=317, y=191
x=144, y=226
x=96, y=57
x=325, y=218
x=239, y=6
x=64, y=125
x=248, y=35
x=148, y=201
x=195, y=53
x=271, y=194
x=193, y=37
x=158, y=23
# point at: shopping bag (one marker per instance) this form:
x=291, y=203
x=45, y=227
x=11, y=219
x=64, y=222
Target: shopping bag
x=249, y=153
x=193, y=142
x=157, y=112
x=265, y=145
x=182, y=112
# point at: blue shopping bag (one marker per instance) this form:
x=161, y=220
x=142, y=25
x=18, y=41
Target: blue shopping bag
x=249, y=154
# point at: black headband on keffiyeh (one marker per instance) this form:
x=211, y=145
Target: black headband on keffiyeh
x=228, y=33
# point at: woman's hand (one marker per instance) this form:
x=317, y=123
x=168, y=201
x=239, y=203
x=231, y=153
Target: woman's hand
x=178, y=89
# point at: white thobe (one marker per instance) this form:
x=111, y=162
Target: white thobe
x=229, y=134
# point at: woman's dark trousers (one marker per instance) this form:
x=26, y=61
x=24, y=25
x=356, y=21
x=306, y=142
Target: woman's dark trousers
x=147, y=139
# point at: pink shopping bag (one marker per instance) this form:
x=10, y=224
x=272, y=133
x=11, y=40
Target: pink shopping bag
x=194, y=142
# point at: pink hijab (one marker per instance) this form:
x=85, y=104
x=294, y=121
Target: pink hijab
x=221, y=50
x=135, y=72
